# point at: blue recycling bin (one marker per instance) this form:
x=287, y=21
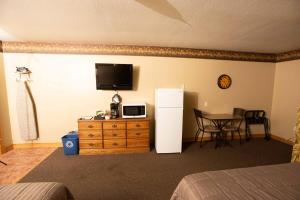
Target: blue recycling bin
x=71, y=143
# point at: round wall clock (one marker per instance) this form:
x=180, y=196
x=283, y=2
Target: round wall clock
x=224, y=81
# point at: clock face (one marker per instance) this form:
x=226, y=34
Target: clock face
x=224, y=81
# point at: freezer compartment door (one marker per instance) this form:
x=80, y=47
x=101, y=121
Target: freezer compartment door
x=169, y=98
x=168, y=130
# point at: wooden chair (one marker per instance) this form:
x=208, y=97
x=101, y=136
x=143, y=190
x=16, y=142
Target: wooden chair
x=235, y=125
x=203, y=127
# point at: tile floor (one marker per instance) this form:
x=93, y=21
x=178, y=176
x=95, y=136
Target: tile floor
x=20, y=162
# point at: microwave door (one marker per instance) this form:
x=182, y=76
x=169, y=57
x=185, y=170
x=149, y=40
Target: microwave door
x=134, y=111
x=131, y=110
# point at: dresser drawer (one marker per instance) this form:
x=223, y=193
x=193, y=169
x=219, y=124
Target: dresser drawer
x=114, y=125
x=114, y=143
x=89, y=124
x=137, y=125
x=138, y=133
x=90, y=134
x=137, y=143
x=90, y=144
x=118, y=133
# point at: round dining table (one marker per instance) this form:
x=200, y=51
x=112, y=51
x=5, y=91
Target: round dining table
x=221, y=120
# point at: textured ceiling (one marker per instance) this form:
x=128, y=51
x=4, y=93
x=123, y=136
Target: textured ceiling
x=271, y=26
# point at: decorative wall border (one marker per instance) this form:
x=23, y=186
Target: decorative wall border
x=100, y=49
x=287, y=56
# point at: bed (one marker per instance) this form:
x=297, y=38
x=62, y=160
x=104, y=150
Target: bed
x=281, y=181
x=35, y=191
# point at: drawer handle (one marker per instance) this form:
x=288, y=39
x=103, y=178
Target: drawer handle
x=114, y=134
x=91, y=144
x=138, y=133
x=138, y=125
x=90, y=126
x=114, y=126
x=91, y=135
x=115, y=144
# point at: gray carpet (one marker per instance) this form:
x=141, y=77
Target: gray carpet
x=150, y=175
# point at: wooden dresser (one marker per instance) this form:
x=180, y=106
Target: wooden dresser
x=113, y=136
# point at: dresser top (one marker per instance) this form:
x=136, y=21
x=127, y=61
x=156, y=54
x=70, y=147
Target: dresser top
x=117, y=119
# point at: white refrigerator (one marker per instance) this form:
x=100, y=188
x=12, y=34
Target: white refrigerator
x=168, y=120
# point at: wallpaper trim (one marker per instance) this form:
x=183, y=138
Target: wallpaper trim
x=286, y=56
x=100, y=49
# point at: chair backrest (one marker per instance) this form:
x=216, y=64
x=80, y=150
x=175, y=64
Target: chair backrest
x=239, y=112
x=255, y=114
x=255, y=117
x=199, y=118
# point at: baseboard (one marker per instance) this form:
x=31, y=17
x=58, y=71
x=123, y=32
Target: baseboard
x=8, y=148
x=190, y=139
x=30, y=145
x=283, y=140
x=36, y=145
x=236, y=137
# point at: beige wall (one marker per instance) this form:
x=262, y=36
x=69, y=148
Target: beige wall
x=286, y=99
x=5, y=129
x=64, y=87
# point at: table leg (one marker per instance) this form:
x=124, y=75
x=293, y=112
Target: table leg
x=218, y=135
x=221, y=138
x=218, y=140
x=225, y=141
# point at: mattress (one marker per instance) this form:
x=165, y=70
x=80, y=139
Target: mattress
x=35, y=191
x=280, y=181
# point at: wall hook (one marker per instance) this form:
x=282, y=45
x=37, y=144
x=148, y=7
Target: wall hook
x=22, y=74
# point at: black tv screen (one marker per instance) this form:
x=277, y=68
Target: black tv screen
x=113, y=76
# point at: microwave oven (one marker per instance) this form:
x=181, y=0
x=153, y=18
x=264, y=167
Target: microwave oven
x=134, y=110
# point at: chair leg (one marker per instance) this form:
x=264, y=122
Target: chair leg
x=197, y=135
x=224, y=137
x=240, y=136
x=266, y=126
x=217, y=140
x=3, y=162
x=232, y=135
x=211, y=137
x=201, y=139
x=248, y=132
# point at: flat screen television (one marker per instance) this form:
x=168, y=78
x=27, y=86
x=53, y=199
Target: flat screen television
x=113, y=76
